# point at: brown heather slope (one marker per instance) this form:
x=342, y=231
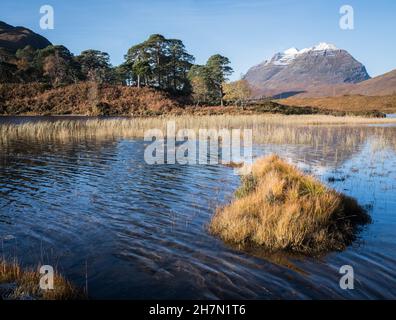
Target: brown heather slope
x=91, y=99
x=379, y=86
x=348, y=103
x=82, y=99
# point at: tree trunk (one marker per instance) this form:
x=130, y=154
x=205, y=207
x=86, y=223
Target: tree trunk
x=221, y=96
x=159, y=67
x=174, y=78
x=138, y=80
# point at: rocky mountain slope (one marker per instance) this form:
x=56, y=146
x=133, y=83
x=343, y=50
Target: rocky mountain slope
x=299, y=71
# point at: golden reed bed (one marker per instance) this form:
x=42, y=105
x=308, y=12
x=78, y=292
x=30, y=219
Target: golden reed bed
x=135, y=127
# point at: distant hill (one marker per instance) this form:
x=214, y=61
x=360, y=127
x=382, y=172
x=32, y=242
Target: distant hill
x=14, y=38
x=378, y=86
x=302, y=71
x=349, y=103
x=382, y=85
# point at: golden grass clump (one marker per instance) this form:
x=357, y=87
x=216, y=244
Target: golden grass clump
x=24, y=284
x=278, y=207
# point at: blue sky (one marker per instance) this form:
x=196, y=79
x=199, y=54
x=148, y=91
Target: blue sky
x=246, y=31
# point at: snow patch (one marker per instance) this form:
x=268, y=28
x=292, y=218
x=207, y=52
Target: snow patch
x=324, y=46
x=288, y=56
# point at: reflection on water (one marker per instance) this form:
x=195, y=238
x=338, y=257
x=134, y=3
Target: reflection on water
x=141, y=229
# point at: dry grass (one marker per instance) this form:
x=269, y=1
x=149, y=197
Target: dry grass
x=136, y=127
x=349, y=103
x=336, y=137
x=279, y=208
x=25, y=285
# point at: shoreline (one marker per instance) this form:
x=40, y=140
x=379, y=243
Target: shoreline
x=209, y=111
x=303, y=118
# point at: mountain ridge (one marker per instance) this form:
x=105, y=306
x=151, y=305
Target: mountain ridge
x=297, y=71
x=14, y=38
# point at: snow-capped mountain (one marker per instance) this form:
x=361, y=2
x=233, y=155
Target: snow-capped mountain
x=296, y=70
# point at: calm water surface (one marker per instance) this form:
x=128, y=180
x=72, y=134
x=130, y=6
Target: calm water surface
x=141, y=229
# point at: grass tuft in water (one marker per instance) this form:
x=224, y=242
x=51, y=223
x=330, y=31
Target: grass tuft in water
x=23, y=284
x=278, y=207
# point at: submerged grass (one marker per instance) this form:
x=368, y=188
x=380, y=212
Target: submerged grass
x=278, y=208
x=19, y=284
